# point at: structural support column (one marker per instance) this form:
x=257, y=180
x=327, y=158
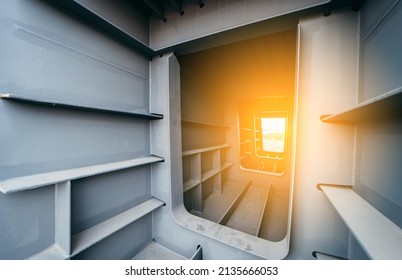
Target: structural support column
x=63, y=217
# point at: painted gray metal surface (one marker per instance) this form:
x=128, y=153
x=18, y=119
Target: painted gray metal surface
x=379, y=237
x=27, y=222
x=123, y=244
x=70, y=61
x=95, y=69
x=379, y=149
x=215, y=17
x=380, y=52
x=122, y=15
x=326, y=148
x=63, y=217
x=88, y=237
x=378, y=143
x=217, y=240
x=22, y=183
x=165, y=98
x=75, y=64
x=56, y=103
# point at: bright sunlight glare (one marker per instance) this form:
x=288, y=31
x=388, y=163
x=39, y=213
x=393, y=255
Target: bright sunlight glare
x=273, y=133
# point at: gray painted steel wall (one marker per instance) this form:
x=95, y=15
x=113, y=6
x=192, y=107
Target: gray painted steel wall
x=26, y=222
x=379, y=153
x=47, y=54
x=324, y=153
x=381, y=61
